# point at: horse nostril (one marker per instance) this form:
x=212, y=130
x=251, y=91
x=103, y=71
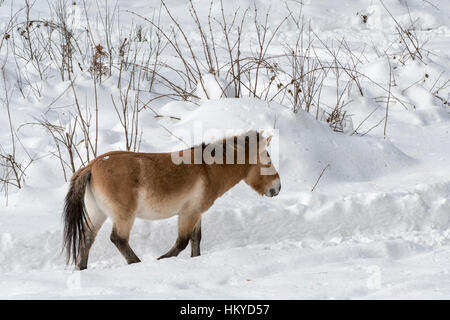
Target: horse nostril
x=272, y=192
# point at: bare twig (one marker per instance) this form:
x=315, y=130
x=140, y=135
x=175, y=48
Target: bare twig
x=320, y=176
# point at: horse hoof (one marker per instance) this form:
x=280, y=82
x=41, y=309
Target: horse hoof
x=165, y=256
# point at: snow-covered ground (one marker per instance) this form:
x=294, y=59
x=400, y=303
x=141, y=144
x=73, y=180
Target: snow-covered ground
x=376, y=225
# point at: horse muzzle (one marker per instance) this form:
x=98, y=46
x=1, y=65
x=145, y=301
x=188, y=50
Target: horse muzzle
x=274, y=190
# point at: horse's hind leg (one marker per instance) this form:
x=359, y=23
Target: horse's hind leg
x=186, y=224
x=89, y=237
x=120, y=235
x=196, y=237
x=96, y=220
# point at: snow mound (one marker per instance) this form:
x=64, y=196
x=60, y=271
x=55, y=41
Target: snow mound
x=306, y=145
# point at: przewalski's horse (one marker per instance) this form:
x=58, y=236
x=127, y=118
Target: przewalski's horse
x=125, y=185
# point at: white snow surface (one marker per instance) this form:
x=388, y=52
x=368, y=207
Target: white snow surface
x=212, y=87
x=376, y=225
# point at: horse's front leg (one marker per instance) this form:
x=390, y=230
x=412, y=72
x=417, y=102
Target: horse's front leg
x=196, y=237
x=186, y=225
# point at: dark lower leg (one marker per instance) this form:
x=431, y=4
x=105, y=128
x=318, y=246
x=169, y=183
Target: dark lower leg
x=186, y=224
x=196, y=237
x=83, y=253
x=90, y=233
x=180, y=245
x=124, y=247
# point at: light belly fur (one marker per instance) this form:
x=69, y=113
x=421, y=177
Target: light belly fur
x=152, y=209
x=148, y=207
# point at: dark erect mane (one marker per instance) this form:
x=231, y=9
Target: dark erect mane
x=232, y=146
x=223, y=141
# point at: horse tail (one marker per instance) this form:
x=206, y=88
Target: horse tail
x=74, y=214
